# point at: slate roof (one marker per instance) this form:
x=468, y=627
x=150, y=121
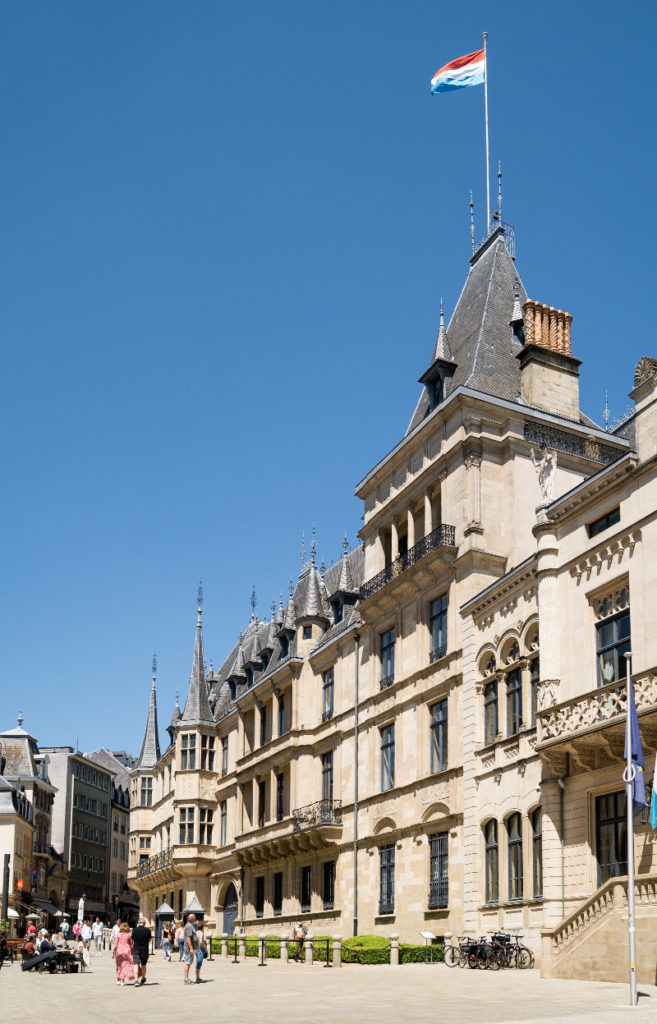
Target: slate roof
x=19, y=749
x=149, y=754
x=197, y=707
x=106, y=759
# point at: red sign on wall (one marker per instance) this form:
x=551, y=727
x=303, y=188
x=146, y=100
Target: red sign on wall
x=19, y=883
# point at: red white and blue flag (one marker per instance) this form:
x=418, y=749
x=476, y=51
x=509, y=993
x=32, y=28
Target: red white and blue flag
x=460, y=73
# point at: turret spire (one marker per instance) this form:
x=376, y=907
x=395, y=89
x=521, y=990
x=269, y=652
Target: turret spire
x=442, y=350
x=149, y=754
x=197, y=708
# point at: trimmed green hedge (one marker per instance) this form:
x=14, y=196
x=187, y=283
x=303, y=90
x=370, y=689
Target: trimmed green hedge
x=360, y=949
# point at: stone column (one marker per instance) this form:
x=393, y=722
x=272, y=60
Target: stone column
x=285, y=949
x=243, y=946
x=380, y=552
x=224, y=945
x=394, y=540
x=308, y=949
x=411, y=527
x=394, y=951
x=337, y=951
x=428, y=513
x=473, y=486
x=547, y=550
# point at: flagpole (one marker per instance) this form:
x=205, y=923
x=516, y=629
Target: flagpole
x=485, y=38
x=630, y=773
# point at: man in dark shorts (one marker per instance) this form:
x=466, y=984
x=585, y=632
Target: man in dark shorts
x=141, y=937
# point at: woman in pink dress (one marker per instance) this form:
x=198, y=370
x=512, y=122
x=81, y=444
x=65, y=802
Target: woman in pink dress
x=122, y=953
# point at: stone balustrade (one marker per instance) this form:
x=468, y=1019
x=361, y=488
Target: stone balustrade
x=595, y=708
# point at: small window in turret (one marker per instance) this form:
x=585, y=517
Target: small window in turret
x=188, y=751
x=438, y=391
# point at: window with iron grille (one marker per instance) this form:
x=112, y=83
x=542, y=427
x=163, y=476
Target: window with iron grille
x=387, y=757
x=186, y=826
x=205, y=826
x=277, y=899
x=146, y=792
x=260, y=895
x=223, y=822
x=207, y=753
x=438, y=871
x=438, y=627
x=537, y=852
x=328, y=884
x=490, y=712
x=224, y=755
x=305, y=889
x=188, y=751
x=492, y=860
x=387, y=655
x=513, y=702
x=438, y=736
x=327, y=776
x=514, y=835
x=327, y=695
x=534, y=679
x=280, y=796
x=612, y=643
x=387, y=880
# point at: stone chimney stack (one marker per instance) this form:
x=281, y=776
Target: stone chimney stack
x=549, y=373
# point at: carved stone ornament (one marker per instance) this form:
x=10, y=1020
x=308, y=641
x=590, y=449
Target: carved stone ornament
x=546, y=467
x=646, y=368
x=546, y=696
x=472, y=461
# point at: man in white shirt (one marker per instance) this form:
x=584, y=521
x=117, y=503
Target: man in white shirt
x=97, y=929
x=85, y=934
x=115, y=931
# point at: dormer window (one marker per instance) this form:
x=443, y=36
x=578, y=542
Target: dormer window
x=437, y=391
x=265, y=660
x=285, y=646
x=249, y=677
x=337, y=607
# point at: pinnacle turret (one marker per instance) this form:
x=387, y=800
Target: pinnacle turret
x=197, y=707
x=149, y=754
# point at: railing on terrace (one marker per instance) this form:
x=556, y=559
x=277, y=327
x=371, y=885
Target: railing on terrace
x=443, y=536
x=387, y=681
x=155, y=863
x=436, y=653
x=322, y=812
x=438, y=893
x=596, y=707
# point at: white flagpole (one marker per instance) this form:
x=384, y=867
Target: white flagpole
x=485, y=38
x=629, y=774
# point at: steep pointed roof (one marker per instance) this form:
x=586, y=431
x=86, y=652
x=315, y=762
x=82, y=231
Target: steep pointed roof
x=311, y=599
x=176, y=716
x=442, y=349
x=289, y=620
x=197, y=706
x=238, y=667
x=149, y=754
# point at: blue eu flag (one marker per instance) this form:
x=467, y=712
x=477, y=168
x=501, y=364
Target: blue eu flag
x=632, y=733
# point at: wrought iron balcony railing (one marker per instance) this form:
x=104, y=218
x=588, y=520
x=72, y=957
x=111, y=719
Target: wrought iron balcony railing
x=387, y=906
x=155, y=863
x=387, y=681
x=438, y=894
x=443, y=536
x=437, y=652
x=323, y=812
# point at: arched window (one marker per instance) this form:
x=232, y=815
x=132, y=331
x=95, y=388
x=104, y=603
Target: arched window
x=514, y=837
x=513, y=701
x=492, y=859
x=537, y=851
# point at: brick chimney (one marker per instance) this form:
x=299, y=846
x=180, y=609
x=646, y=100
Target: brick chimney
x=549, y=373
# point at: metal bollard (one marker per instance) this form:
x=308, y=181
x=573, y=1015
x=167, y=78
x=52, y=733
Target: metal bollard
x=224, y=945
x=285, y=949
x=327, y=964
x=235, y=961
x=394, y=951
x=337, y=951
x=309, y=949
x=261, y=942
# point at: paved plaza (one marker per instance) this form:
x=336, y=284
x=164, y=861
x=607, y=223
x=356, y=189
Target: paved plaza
x=413, y=993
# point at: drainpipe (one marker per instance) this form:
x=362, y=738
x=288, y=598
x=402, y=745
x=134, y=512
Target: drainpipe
x=357, y=649
x=562, y=787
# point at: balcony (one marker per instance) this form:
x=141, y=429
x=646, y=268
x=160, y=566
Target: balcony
x=591, y=728
x=438, y=894
x=322, y=812
x=155, y=863
x=386, y=681
x=442, y=537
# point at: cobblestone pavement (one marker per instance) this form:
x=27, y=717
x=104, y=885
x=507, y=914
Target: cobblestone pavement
x=249, y=994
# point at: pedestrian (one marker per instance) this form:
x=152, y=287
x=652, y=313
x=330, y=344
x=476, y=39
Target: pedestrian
x=122, y=948
x=64, y=929
x=76, y=929
x=115, y=931
x=31, y=930
x=201, y=950
x=180, y=940
x=166, y=941
x=298, y=933
x=191, y=944
x=141, y=938
x=97, y=930
x=86, y=934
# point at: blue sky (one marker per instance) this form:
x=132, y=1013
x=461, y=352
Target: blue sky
x=225, y=230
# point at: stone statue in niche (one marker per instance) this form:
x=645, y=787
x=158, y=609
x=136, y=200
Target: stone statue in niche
x=547, y=694
x=546, y=467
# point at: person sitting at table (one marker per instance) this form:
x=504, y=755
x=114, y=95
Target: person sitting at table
x=28, y=946
x=45, y=945
x=4, y=948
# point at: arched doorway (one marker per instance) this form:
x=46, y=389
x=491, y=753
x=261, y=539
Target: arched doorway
x=230, y=909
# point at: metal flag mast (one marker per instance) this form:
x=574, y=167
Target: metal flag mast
x=629, y=775
x=485, y=38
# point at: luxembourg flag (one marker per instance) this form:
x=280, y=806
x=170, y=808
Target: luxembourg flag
x=460, y=73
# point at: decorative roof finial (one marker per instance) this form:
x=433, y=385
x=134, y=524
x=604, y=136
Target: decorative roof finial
x=345, y=542
x=254, y=601
x=177, y=698
x=200, y=595
x=303, y=549
x=322, y=569
x=20, y=719
x=273, y=609
x=606, y=411
x=154, y=667
x=499, y=191
x=291, y=589
x=313, y=549
x=472, y=226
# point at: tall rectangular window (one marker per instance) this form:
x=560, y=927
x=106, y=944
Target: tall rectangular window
x=305, y=889
x=146, y=792
x=186, y=826
x=205, y=826
x=223, y=822
x=281, y=715
x=188, y=751
x=492, y=860
x=387, y=757
x=277, y=899
x=327, y=695
x=438, y=736
x=438, y=871
x=438, y=627
x=280, y=796
x=612, y=637
x=262, y=803
x=611, y=835
x=328, y=884
x=260, y=896
x=327, y=776
x=207, y=753
x=490, y=712
x=387, y=880
x=224, y=755
x=513, y=702
x=537, y=852
x=514, y=835
x=534, y=679
x=263, y=726
x=387, y=655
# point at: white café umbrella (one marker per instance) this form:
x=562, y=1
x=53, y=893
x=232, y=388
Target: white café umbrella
x=81, y=909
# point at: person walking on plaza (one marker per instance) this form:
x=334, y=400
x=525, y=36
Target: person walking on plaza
x=97, y=930
x=76, y=929
x=141, y=938
x=191, y=945
x=122, y=954
x=115, y=931
x=200, y=950
x=180, y=940
x=86, y=934
x=65, y=929
x=298, y=933
x=166, y=942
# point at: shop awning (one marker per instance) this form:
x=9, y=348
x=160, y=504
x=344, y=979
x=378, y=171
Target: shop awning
x=46, y=906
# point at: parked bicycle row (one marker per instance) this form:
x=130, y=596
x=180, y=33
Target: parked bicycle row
x=500, y=950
